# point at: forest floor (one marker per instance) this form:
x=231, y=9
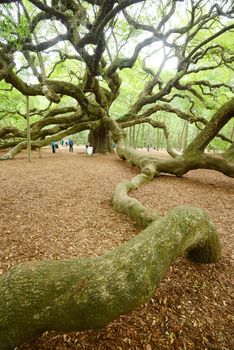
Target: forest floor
x=58, y=207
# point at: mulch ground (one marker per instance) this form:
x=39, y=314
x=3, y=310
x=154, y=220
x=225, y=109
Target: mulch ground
x=58, y=207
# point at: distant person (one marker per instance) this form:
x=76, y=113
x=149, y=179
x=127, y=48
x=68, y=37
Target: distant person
x=90, y=150
x=53, y=146
x=70, y=143
x=148, y=148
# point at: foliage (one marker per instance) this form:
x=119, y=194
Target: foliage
x=14, y=33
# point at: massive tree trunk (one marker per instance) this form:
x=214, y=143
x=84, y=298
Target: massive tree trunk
x=100, y=139
x=81, y=294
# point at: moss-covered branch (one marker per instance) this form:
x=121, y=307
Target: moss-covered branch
x=130, y=206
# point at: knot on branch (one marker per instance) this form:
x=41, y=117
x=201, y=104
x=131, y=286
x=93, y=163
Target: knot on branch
x=149, y=170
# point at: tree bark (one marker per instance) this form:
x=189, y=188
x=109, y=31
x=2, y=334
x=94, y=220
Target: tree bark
x=185, y=135
x=82, y=294
x=143, y=136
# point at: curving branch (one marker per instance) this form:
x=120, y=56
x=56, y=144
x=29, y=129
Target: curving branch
x=50, y=90
x=46, y=44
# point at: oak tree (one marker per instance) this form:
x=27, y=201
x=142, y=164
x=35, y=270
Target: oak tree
x=73, y=54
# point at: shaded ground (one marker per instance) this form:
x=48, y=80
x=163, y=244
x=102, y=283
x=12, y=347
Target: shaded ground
x=59, y=207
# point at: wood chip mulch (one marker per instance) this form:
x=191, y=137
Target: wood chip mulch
x=58, y=207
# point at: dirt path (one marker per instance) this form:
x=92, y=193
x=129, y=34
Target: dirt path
x=58, y=207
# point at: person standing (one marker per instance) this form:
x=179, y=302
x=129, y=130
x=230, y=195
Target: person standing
x=71, y=143
x=53, y=146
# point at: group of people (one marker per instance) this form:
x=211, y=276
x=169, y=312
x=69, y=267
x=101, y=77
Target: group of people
x=69, y=143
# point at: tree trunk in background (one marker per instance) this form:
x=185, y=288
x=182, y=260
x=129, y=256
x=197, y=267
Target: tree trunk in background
x=134, y=136
x=143, y=135
x=130, y=136
x=100, y=139
x=185, y=136
x=179, y=138
x=158, y=139
x=28, y=129
x=137, y=141
x=164, y=141
x=148, y=134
